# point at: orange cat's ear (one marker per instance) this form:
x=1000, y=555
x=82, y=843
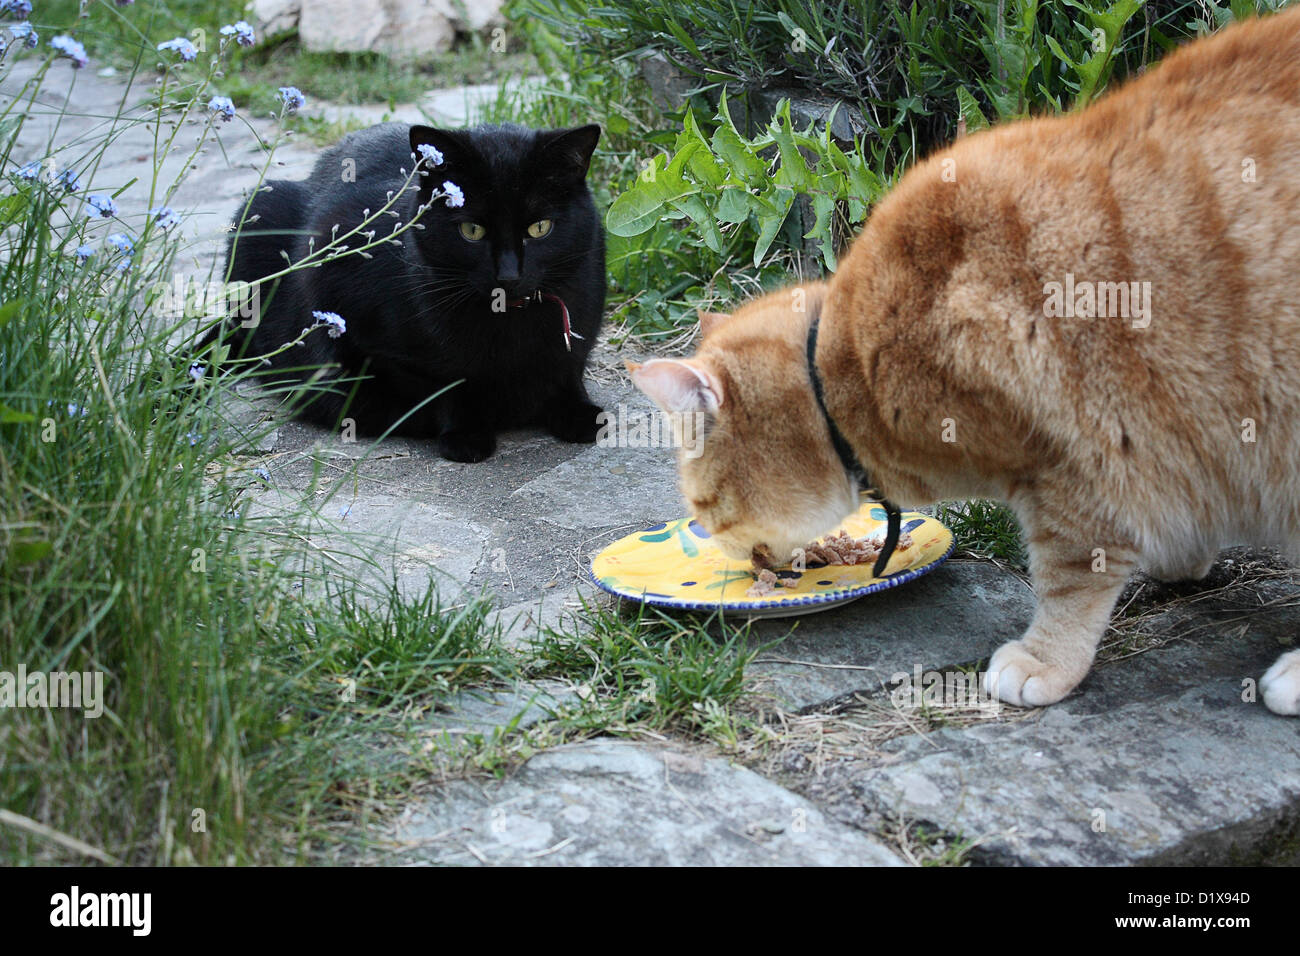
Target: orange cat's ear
x=711, y=320
x=678, y=386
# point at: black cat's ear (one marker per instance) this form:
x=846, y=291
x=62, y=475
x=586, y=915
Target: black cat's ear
x=568, y=151
x=441, y=148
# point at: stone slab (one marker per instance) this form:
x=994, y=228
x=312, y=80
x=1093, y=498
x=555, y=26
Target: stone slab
x=488, y=711
x=1155, y=759
x=958, y=613
x=610, y=802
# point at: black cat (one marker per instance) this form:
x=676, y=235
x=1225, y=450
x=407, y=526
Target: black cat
x=502, y=293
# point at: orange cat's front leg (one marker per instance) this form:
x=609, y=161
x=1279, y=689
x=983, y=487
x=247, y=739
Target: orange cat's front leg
x=1076, y=589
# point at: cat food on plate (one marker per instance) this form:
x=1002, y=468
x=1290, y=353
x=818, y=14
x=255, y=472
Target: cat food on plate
x=841, y=549
x=767, y=582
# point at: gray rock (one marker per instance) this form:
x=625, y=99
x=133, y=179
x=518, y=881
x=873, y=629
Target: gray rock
x=958, y=613
x=249, y=420
x=1155, y=759
x=395, y=28
x=605, y=487
x=487, y=711
x=616, y=803
x=752, y=109
x=846, y=121
x=273, y=17
x=669, y=84
x=461, y=105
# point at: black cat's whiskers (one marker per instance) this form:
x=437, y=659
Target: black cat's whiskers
x=461, y=294
x=450, y=299
x=557, y=267
x=435, y=286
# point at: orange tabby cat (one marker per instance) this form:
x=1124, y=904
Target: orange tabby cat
x=1092, y=317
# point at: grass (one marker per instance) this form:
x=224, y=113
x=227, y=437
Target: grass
x=923, y=845
x=402, y=646
x=359, y=78
x=242, y=696
x=985, y=529
x=229, y=694
x=646, y=670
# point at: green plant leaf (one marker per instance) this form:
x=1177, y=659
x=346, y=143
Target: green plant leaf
x=824, y=206
x=779, y=205
x=734, y=205
x=739, y=158
x=9, y=416
x=1094, y=71
x=863, y=184
x=12, y=208
x=794, y=170
x=968, y=109
x=705, y=168
x=28, y=552
x=641, y=206
x=694, y=207
x=9, y=310
x=1060, y=53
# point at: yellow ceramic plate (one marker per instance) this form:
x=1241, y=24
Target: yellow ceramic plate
x=676, y=565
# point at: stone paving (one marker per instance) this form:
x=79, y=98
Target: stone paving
x=1158, y=758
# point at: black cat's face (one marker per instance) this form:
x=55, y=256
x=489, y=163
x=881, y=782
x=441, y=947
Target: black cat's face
x=527, y=215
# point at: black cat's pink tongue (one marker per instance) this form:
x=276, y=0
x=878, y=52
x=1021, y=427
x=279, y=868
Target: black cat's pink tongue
x=564, y=314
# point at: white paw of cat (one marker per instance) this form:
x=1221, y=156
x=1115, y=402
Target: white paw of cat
x=1281, y=685
x=1017, y=677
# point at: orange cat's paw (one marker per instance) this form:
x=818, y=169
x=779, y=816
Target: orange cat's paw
x=1281, y=685
x=1017, y=677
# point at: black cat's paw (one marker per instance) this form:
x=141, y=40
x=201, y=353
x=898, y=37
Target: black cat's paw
x=575, y=423
x=466, y=446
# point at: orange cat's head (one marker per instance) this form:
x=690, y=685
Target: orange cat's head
x=757, y=465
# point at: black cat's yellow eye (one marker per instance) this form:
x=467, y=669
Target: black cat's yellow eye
x=472, y=231
x=540, y=228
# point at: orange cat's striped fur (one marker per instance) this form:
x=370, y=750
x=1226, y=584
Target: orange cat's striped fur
x=1147, y=440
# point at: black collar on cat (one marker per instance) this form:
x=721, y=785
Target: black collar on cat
x=857, y=474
